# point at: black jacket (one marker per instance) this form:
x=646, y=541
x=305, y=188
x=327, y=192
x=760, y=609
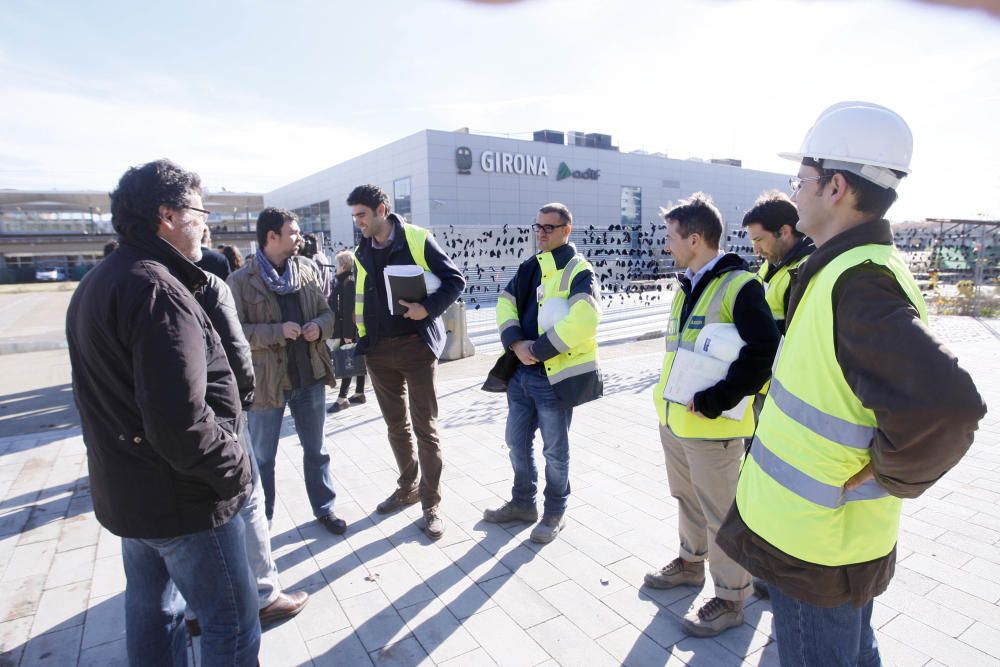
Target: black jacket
x=452, y=283
x=342, y=305
x=214, y=262
x=158, y=402
x=756, y=327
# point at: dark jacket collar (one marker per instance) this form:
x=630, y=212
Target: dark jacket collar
x=802, y=248
x=728, y=262
x=876, y=232
x=180, y=266
x=562, y=254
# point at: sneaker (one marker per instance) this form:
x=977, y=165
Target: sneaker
x=398, y=500
x=433, y=525
x=548, y=528
x=714, y=617
x=333, y=524
x=357, y=399
x=760, y=589
x=340, y=404
x=677, y=572
x=511, y=512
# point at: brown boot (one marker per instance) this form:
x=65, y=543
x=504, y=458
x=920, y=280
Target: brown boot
x=286, y=606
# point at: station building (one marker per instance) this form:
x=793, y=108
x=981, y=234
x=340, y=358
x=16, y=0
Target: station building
x=441, y=180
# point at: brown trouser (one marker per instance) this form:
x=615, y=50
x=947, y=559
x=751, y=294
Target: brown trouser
x=404, y=367
x=702, y=475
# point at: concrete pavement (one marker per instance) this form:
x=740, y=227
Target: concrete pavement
x=383, y=594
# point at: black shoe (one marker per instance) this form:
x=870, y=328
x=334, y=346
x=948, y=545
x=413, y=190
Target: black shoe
x=398, y=500
x=760, y=589
x=338, y=405
x=333, y=524
x=357, y=399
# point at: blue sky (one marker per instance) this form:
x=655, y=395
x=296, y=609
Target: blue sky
x=255, y=94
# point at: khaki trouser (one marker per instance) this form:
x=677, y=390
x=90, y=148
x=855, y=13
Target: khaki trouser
x=403, y=371
x=702, y=475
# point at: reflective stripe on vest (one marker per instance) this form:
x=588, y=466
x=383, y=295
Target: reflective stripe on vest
x=808, y=487
x=815, y=434
x=571, y=361
x=715, y=305
x=416, y=241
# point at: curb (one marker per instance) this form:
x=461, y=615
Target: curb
x=20, y=347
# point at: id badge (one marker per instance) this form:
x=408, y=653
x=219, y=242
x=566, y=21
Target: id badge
x=539, y=293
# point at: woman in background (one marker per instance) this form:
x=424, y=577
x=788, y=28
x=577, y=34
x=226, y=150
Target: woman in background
x=344, y=329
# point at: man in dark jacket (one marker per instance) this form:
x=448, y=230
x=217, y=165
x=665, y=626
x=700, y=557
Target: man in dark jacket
x=865, y=407
x=161, y=418
x=704, y=447
x=402, y=345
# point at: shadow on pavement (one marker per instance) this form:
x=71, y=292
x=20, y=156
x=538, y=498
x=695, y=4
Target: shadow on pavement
x=38, y=410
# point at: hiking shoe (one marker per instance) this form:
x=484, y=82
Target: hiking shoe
x=677, y=572
x=340, y=404
x=433, y=525
x=398, y=500
x=760, y=589
x=357, y=399
x=548, y=528
x=511, y=512
x=714, y=617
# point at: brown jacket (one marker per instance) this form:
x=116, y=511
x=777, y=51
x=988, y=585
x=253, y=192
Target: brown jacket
x=259, y=312
x=927, y=409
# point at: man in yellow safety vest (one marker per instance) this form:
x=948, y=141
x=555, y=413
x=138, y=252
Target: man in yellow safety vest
x=703, y=448
x=865, y=406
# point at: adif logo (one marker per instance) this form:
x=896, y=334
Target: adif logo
x=565, y=172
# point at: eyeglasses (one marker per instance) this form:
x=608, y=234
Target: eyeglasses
x=548, y=229
x=199, y=210
x=796, y=183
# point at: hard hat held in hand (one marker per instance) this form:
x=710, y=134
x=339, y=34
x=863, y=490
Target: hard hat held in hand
x=860, y=137
x=551, y=311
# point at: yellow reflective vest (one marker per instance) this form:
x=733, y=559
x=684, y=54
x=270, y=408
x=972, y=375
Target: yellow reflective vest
x=814, y=435
x=574, y=336
x=715, y=305
x=416, y=239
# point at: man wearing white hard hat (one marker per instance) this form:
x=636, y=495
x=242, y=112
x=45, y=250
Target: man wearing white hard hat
x=547, y=316
x=865, y=407
x=703, y=426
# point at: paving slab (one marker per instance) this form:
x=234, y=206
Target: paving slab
x=384, y=594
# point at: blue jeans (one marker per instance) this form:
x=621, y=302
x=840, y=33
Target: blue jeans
x=823, y=636
x=209, y=570
x=308, y=407
x=531, y=405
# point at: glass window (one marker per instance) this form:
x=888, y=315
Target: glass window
x=631, y=205
x=401, y=197
x=315, y=217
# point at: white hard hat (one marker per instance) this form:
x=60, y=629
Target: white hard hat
x=863, y=138
x=551, y=310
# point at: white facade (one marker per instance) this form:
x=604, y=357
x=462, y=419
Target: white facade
x=509, y=179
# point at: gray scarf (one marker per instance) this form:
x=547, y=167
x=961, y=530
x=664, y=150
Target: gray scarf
x=283, y=284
